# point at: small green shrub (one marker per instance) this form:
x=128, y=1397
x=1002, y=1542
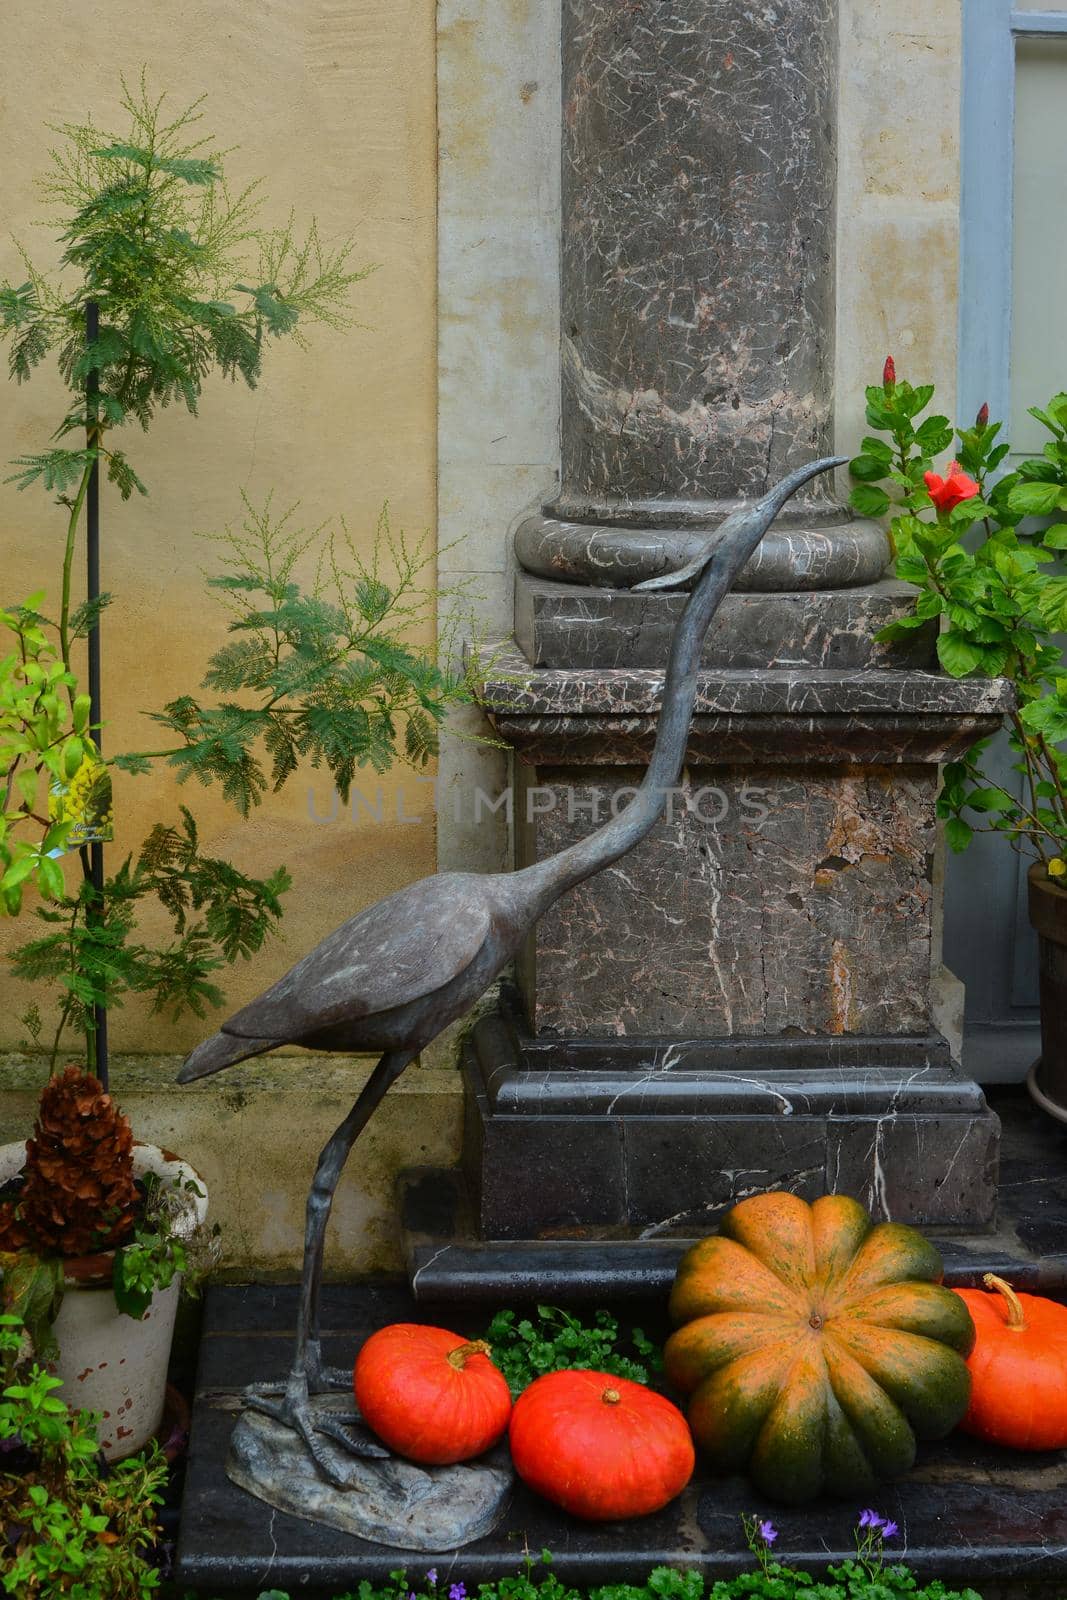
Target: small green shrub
x=525, y=1349
x=69, y=1525
x=984, y=550
x=867, y=1577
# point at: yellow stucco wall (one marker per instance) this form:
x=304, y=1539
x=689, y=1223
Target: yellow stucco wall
x=898, y=200
x=332, y=102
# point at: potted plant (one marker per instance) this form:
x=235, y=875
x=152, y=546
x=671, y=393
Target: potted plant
x=984, y=553
x=96, y=1234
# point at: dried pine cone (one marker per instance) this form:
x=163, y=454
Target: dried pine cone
x=79, y=1193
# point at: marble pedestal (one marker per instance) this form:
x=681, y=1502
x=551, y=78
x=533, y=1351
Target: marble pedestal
x=654, y=1138
x=744, y=1001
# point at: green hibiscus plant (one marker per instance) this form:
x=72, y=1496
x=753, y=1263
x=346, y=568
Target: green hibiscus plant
x=983, y=549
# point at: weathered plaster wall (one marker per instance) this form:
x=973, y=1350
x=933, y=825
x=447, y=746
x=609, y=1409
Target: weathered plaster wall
x=332, y=102
x=898, y=199
x=498, y=321
x=254, y=1135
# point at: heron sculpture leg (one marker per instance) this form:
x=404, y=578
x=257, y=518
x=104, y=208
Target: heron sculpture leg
x=308, y=1375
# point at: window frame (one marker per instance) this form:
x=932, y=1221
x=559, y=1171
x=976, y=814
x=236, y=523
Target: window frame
x=1002, y=1045
x=987, y=171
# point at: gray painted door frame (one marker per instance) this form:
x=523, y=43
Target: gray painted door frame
x=988, y=941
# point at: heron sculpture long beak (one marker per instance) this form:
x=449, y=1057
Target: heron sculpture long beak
x=732, y=530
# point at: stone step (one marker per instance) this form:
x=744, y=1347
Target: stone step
x=446, y=1260
x=967, y=1513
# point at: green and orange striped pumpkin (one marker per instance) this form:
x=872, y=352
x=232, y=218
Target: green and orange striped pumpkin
x=816, y=1345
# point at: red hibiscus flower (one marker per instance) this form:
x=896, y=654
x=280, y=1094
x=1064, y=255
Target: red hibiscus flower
x=948, y=493
x=889, y=373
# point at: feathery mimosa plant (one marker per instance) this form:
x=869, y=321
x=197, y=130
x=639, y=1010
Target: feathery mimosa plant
x=156, y=249
x=185, y=282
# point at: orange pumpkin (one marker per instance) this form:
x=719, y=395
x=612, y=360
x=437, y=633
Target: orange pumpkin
x=1018, y=1368
x=816, y=1346
x=600, y=1447
x=430, y=1395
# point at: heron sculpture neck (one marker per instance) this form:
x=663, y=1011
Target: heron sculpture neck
x=715, y=570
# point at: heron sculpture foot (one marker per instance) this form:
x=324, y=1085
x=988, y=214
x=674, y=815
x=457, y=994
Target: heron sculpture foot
x=293, y=1410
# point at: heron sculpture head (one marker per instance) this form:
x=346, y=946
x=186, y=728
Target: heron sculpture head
x=736, y=538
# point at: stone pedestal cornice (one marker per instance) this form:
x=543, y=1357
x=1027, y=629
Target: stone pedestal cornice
x=778, y=716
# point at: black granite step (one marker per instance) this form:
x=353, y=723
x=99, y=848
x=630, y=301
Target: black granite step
x=967, y=1513
x=446, y=1260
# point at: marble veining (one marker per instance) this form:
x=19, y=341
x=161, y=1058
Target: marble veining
x=765, y=902
x=699, y=169
x=562, y=625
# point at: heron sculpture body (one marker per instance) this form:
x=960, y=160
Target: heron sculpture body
x=395, y=976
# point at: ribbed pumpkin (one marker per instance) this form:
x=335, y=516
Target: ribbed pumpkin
x=816, y=1346
x=430, y=1395
x=599, y=1446
x=1018, y=1368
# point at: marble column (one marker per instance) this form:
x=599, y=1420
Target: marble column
x=697, y=290
x=744, y=1002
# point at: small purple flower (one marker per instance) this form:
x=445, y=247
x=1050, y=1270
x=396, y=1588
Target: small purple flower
x=889, y=1530
x=431, y=1576
x=458, y=1591
x=767, y=1532
x=870, y=1519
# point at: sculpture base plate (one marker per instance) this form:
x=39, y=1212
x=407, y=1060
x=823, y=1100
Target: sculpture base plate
x=390, y=1502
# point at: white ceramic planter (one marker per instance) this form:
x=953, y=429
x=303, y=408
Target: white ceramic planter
x=110, y=1362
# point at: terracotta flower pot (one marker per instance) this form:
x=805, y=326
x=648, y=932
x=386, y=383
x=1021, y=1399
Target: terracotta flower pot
x=1048, y=913
x=110, y=1362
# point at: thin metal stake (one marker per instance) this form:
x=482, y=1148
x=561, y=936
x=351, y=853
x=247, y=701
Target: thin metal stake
x=92, y=544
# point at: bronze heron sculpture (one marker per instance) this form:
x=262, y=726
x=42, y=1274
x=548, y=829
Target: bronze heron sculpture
x=395, y=976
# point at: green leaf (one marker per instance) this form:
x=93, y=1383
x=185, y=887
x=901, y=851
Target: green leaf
x=1043, y=417
x=867, y=468
x=1034, y=499
x=934, y=435
x=1039, y=469
x=957, y=654
x=1055, y=538
x=133, y=1300
x=990, y=800
x=913, y=400
x=958, y=834
x=868, y=500
x=928, y=605
x=912, y=569
x=189, y=169
x=57, y=470
x=1052, y=603
x=879, y=449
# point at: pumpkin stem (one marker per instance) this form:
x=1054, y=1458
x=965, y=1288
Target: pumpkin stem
x=459, y=1357
x=611, y=1397
x=1016, y=1317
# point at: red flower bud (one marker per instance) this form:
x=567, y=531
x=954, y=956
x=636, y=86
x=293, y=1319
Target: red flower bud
x=948, y=493
x=889, y=373
x=981, y=421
